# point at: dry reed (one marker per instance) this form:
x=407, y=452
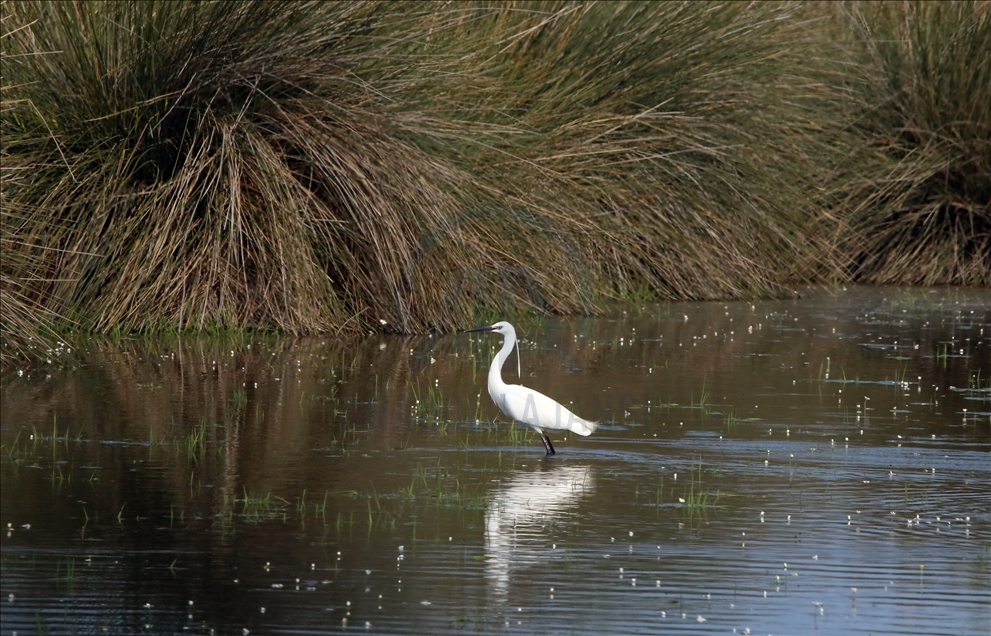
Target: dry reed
x=335, y=166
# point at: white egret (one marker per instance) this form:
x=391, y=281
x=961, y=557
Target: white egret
x=526, y=405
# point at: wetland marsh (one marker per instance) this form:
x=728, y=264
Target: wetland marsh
x=820, y=465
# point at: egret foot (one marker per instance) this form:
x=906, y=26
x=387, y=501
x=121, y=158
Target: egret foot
x=547, y=444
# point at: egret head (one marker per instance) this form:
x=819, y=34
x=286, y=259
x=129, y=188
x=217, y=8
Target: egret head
x=502, y=327
x=508, y=342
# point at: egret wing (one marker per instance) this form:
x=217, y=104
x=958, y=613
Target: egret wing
x=539, y=411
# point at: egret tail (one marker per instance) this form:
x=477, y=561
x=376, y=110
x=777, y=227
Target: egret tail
x=582, y=427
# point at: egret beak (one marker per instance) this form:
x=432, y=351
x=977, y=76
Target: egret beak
x=489, y=328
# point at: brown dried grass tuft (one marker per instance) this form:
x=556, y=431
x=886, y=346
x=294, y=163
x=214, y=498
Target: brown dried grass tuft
x=915, y=194
x=328, y=166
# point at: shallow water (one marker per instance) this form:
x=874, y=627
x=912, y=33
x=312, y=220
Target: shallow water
x=813, y=466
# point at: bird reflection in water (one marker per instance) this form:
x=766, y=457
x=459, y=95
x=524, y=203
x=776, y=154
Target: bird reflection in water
x=524, y=508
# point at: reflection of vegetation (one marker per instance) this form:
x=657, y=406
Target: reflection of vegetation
x=429, y=405
x=54, y=437
x=984, y=555
x=195, y=442
x=15, y=451
x=780, y=583
x=256, y=508
x=703, y=398
x=696, y=499
x=65, y=572
x=979, y=390
x=304, y=439
x=20, y=451
x=443, y=491
x=974, y=382
x=477, y=620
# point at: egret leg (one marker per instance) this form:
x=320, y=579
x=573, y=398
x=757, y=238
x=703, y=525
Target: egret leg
x=547, y=444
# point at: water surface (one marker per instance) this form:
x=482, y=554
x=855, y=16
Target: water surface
x=813, y=466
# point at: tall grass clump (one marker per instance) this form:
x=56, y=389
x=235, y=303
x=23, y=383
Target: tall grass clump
x=309, y=166
x=916, y=192
x=680, y=138
x=25, y=322
x=187, y=165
